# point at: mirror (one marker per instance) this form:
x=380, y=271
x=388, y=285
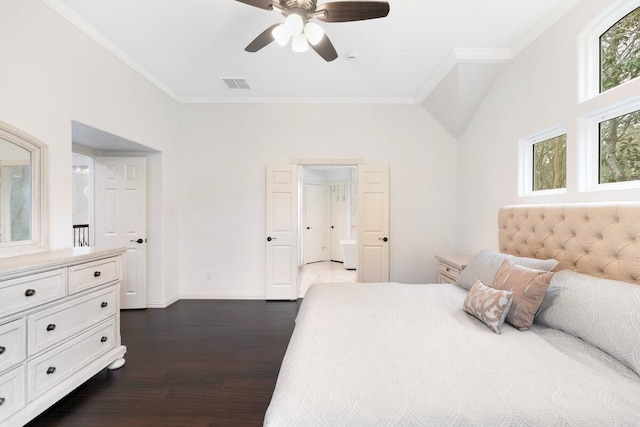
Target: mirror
x=22, y=193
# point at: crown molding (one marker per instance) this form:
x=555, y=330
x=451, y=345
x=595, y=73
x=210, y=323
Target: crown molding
x=460, y=56
x=296, y=100
x=553, y=17
x=64, y=11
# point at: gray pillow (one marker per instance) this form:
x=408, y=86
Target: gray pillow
x=605, y=313
x=484, y=266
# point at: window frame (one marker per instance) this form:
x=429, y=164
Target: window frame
x=525, y=181
x=589, y=46
x=590, y=155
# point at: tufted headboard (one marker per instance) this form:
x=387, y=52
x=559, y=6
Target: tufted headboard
x=601, y=239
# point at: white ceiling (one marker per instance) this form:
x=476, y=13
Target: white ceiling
x=185, y=46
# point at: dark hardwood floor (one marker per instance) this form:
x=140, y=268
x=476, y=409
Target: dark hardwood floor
x=195, y=363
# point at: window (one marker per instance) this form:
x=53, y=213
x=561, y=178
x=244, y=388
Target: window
x=608, y=134
x=619, y=139
x=550, y=163
x=620, y=52
x=543, y=159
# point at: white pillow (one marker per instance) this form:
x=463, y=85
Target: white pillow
x=485, y=265
x=605, y=313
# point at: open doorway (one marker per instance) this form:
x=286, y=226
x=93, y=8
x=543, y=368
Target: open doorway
x=110, y=202
x=328, y=221
x=284, y=225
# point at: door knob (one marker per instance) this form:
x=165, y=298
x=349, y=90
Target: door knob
x=384, y=239
x=271, y=238
x=308, y=228
x=140, y=241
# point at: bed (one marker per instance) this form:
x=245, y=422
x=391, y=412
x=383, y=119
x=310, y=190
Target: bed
x=402, y=354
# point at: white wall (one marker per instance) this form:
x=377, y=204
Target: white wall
x=537, y=90
x=53, y=73
x=225, y=149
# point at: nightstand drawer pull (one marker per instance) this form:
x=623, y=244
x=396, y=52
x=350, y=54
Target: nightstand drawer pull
x=2, y=350
x=96, y=274
x=51, y=327
x=51, y=370
x=104, y=304
x=103, y=339
x=29, y=292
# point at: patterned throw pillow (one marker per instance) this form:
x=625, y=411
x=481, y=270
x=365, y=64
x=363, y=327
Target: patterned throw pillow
x=529, y=287
x=605, y=313
x=488, y=305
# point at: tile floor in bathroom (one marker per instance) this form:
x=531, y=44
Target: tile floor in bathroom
x=323, y=272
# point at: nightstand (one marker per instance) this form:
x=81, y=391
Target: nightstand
x=450, y=266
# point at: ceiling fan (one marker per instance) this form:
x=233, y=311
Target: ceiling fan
x=303, y=32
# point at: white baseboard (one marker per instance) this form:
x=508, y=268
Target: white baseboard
x=165, y=304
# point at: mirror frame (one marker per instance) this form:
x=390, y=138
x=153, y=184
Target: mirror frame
x=39, y=193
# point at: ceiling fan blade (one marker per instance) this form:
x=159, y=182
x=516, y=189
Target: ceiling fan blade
x=325, y=49
x=262, y=40
x=262, y=4
x=344, y=11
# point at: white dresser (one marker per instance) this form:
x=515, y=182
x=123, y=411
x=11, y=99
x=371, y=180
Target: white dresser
x=59, y=326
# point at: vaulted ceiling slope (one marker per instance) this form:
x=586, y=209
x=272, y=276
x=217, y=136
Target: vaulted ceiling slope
x=440, y=54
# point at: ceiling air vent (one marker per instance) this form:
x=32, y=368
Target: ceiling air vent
x=235, y=83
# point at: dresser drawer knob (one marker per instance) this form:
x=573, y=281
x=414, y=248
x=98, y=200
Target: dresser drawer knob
x=51, y=327
x=96, y=274
x=1, y=400
x=2, y=350
x=30, y=292
x=104, y=304
x=51, y=370
x=103, y=339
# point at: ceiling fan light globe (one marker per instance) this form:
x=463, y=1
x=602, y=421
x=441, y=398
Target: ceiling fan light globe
x=294, y=24
x=314, y=33
x=300, y=43
x=281, y=35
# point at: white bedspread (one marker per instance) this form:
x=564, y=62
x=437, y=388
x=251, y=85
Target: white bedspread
x=397, y=354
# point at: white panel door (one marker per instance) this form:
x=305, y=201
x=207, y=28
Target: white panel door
x=121, y=211
x=339, y=198
x=314, y=228
x=373, y=223
x=282, y=232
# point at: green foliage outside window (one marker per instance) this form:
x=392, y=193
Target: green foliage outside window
x=620, y=148
x=620, y=136
x=550, y=163
x=620, y=52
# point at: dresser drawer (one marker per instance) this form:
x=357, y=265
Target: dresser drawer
x=13, y=338
x=449, y=270
x=12, y=393
x=445, y=279
x=58, y=323
x=90, y=274
x=26, y=292
x=51, y=368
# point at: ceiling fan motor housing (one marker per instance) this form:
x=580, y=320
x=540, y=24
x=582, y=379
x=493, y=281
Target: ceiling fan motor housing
x=308, y=6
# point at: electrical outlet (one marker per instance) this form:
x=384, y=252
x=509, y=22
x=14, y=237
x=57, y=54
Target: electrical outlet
x=207, y=275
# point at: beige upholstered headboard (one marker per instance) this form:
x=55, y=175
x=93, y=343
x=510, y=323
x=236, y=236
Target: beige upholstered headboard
x=601, y=239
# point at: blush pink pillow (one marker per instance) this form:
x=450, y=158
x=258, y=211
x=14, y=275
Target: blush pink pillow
x=529, y=287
